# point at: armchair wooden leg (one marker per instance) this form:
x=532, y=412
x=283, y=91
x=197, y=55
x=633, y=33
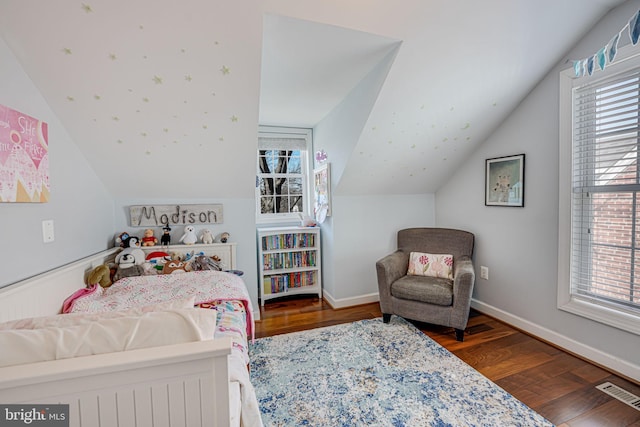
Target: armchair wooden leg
x=460, y=335
x=386, y=318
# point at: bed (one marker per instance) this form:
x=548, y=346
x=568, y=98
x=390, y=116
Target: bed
x=202, y=380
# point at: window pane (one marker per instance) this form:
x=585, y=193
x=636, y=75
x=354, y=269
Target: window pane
x=296, y=204
x=282, y=205
x=267, y=205
x=612, y=219
x=295, y=186
x=611, y=272
x=294, y=162
x=266, y=186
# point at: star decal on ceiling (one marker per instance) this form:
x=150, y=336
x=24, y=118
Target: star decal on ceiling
x=97, y=97
x=70, y=98
x=157, y=80
x=188, y=78
x=87, y=8
x=225, y=70
x=112, y=56
x=234, y=118
x=66, y=51
x=115, y=118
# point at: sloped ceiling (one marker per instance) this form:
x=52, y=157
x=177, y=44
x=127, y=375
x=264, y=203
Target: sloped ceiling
x=164, y=98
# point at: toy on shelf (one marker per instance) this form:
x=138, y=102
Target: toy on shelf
x=224, y=237
x=149, y=239
x=165, y=240
x=120, y=239
x=206, y=237
x=189, y=237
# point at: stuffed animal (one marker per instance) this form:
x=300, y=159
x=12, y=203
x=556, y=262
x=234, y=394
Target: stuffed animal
x=127, y=266
x=165, y=240
x=149, y=239
x=203, y=262
x=189, y=237
x=120, y=239
x=224, y=237
x=206, y=237
x=132, y=242
x=135, y=253
x=173, y=267
x=100, y=275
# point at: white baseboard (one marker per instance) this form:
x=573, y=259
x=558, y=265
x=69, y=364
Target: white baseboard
x=349, y=302
x=594, y=355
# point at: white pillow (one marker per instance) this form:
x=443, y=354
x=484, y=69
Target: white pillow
x=72, y=319
x=433, y=265
x=150, y=329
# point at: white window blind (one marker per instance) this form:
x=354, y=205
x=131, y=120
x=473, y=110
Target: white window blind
x=605, y=193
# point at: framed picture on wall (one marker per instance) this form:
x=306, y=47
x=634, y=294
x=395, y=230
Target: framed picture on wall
x=322, y=192
x=504, y=181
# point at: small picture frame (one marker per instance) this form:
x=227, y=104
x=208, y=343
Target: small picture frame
x=504, y=181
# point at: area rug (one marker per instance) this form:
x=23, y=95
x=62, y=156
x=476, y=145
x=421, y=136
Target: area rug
x=368, y=373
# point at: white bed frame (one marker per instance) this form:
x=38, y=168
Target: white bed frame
x=176, y=385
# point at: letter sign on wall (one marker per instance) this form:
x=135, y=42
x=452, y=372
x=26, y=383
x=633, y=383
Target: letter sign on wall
x=161, y=215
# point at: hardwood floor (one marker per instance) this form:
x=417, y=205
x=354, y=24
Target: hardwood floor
x=559, y=386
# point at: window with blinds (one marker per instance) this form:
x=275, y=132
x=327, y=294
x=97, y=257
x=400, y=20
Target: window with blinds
x=604, y=242
x=282, y=174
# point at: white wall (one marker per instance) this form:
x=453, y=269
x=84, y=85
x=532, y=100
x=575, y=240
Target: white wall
x=238, y=220
x=520, y=245
x=80, y=206
x=363, y=230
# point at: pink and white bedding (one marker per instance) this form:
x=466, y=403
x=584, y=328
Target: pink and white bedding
x=224, y=292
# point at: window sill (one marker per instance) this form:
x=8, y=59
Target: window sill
x=615, y=318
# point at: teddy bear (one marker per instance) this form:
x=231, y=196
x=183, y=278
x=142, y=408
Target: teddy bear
x=203, y=262
x=189, y=237
x=206, y=237
x=149, y=239
x=100, y=275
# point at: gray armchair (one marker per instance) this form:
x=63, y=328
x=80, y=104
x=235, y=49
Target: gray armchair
x=435, y=300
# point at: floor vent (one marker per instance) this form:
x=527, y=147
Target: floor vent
x=620, y=394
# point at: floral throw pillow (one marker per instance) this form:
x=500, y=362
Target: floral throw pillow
x=433, y=265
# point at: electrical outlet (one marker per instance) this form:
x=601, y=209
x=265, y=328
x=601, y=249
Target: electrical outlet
x=484, y=272
x=47, y=231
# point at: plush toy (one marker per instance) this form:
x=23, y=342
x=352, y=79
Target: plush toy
x=206, y=237
x=157, y=259
x=173, y=267
x=120, y=239
x=135, y=253
x=203, y=262
x=132, y=242
x=100, y=275
x=224, y=237
x=149, y=239
x=127, y=266
x=189, y=237
x=165, y=240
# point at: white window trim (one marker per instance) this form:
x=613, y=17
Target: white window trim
x=284, y=132
x=566, y=301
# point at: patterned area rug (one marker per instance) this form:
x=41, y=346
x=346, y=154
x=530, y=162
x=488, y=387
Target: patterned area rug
x=367, y=373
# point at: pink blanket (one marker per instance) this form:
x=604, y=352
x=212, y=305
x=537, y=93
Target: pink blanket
x=131, y=292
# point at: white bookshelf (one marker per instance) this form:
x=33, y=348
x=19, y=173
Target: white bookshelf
x=289, y=261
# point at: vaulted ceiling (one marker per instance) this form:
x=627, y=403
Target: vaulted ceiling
x=164, y=98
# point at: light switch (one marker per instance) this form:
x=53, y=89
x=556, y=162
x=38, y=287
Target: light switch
x=47, y=231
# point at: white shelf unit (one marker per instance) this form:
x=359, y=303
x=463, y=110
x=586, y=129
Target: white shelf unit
x=290, y=261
